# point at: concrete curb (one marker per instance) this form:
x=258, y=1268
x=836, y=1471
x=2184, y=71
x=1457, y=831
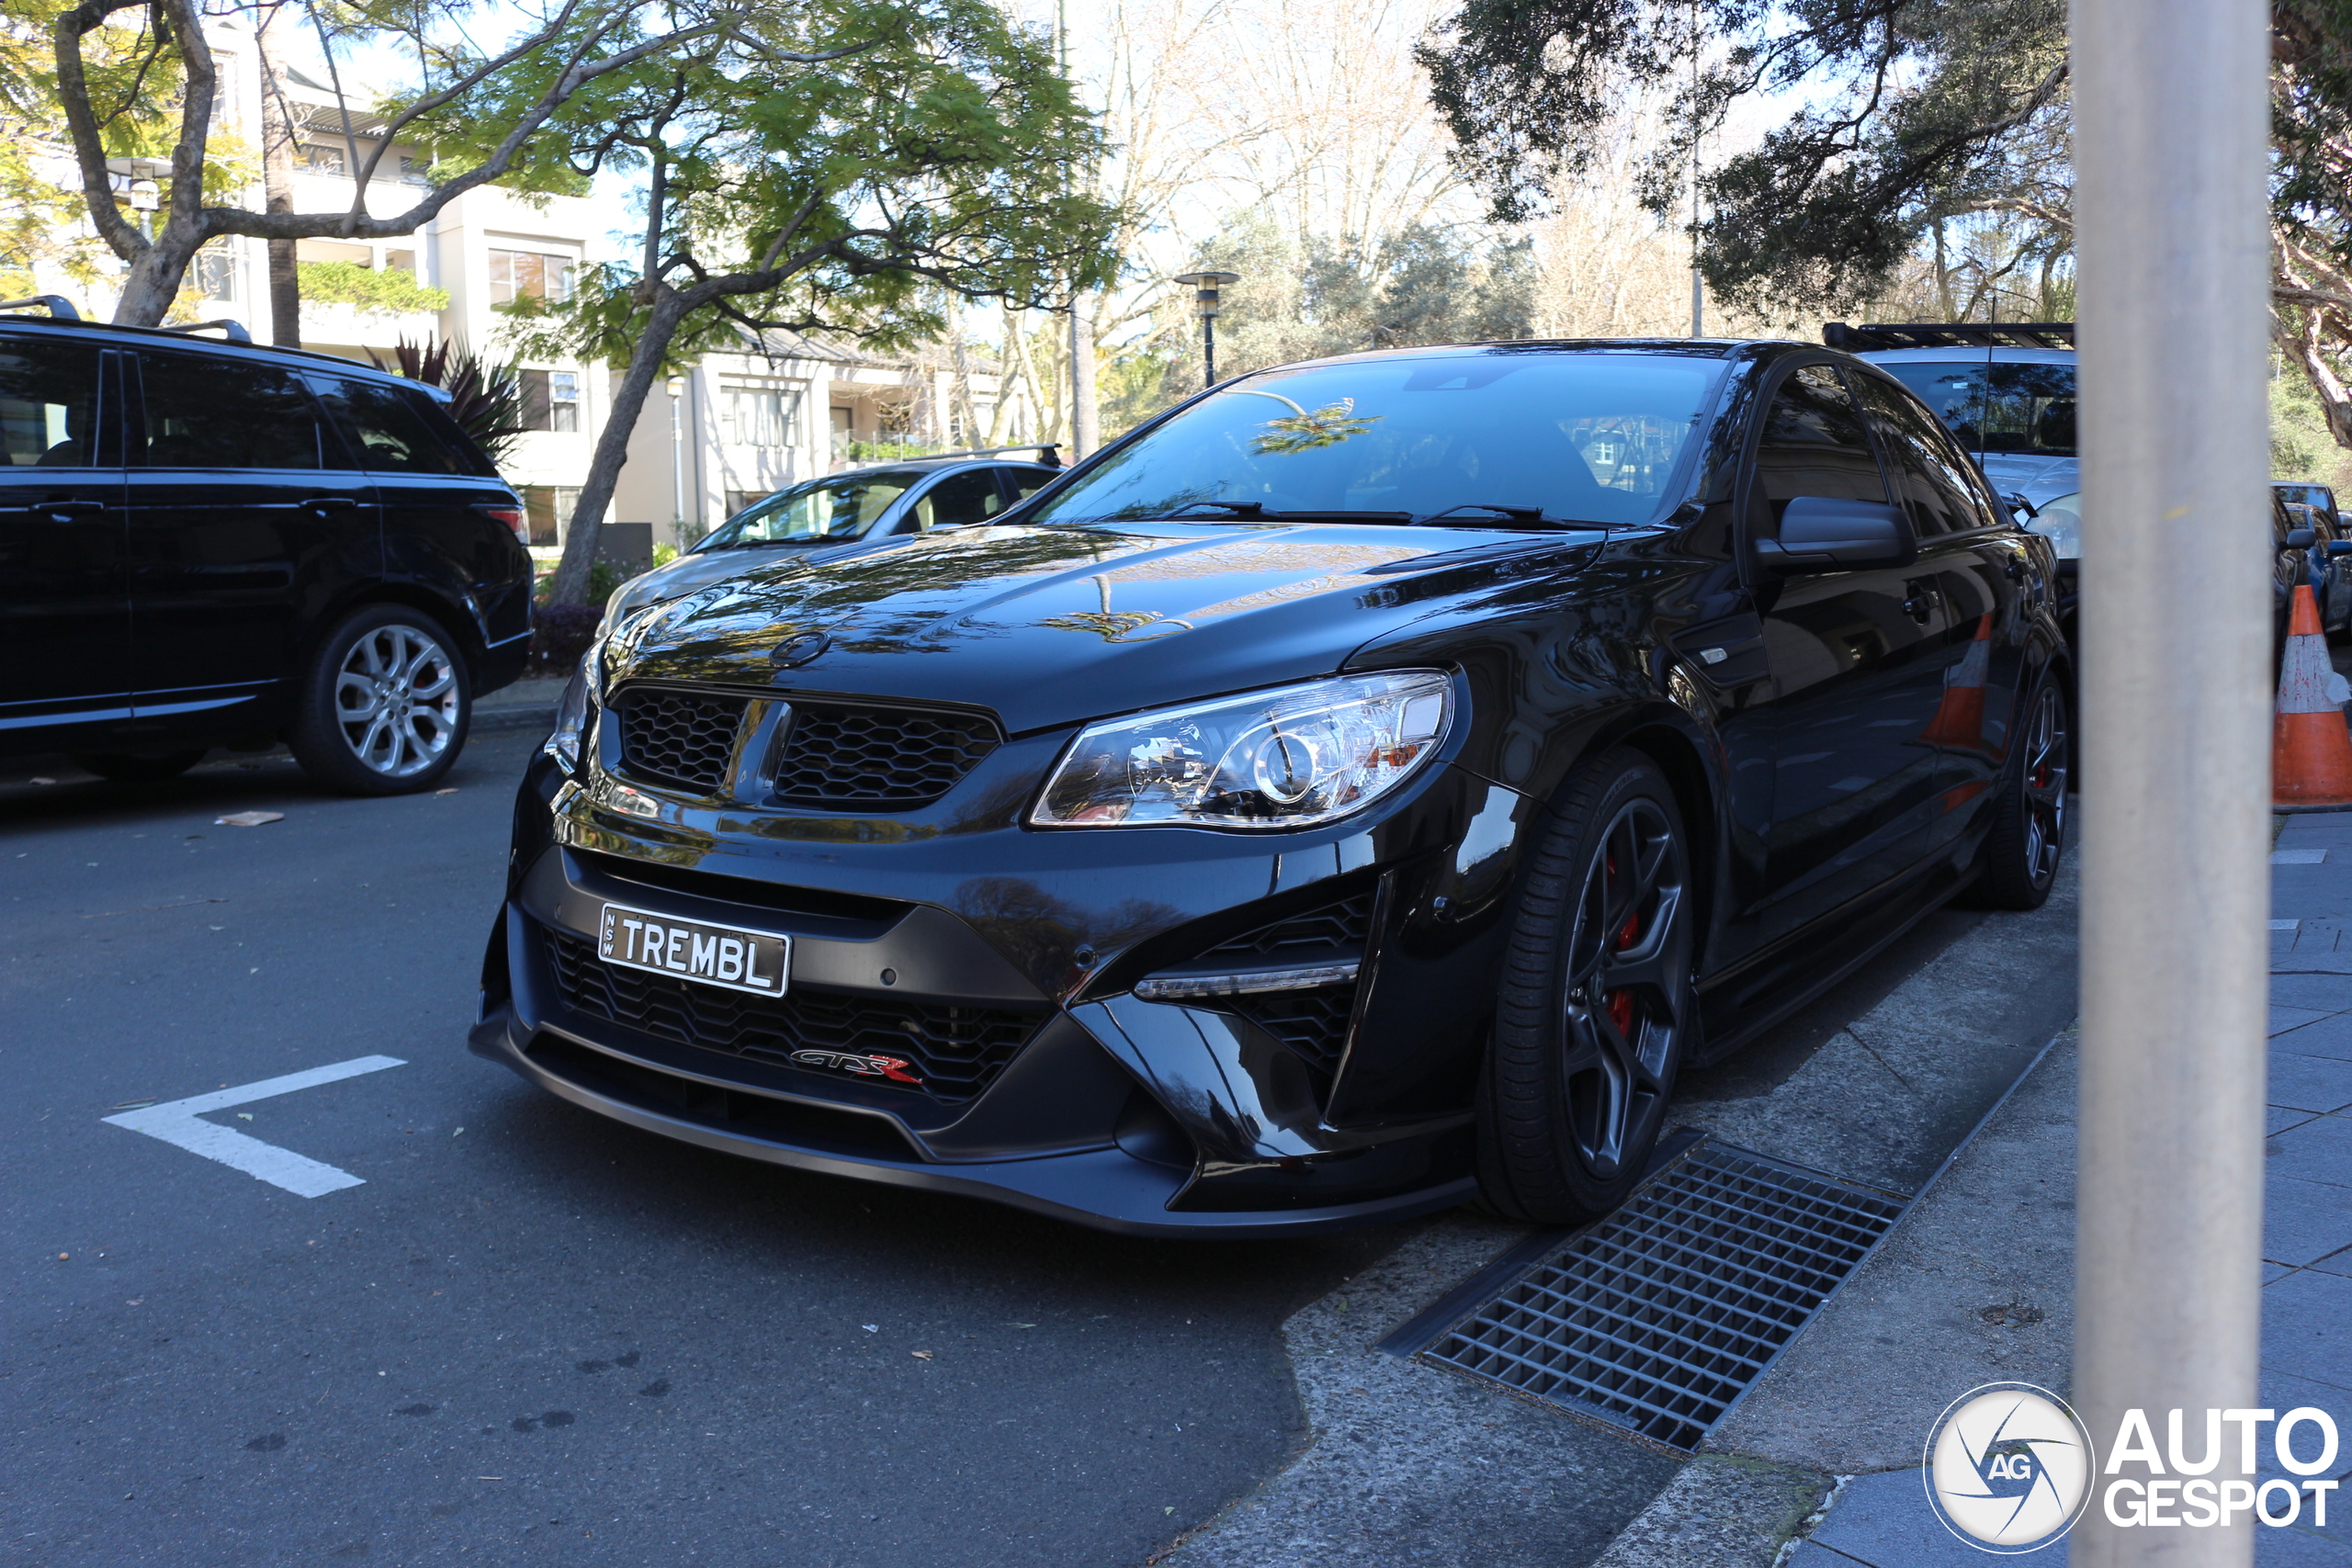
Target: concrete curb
x=1723, y=1511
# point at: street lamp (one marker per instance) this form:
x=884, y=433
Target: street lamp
x=1204, y=305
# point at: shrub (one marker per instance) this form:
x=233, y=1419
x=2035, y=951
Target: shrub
x=348, y=283
x=561, y=636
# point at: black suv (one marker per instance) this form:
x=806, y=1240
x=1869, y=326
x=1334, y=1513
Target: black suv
x=215, y=544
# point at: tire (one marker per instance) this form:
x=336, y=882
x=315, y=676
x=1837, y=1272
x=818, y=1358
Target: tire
x=124, y=768
x=385, y=704
x=1597, y=1005
x=2018, y=863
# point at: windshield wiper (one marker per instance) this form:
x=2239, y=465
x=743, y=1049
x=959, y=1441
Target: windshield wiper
x=1479, y=513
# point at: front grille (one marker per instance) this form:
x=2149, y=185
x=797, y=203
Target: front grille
x=1654, y=1320
x=891, y=758
x=956, y=1051
x=682, y=738
x=1344, y=924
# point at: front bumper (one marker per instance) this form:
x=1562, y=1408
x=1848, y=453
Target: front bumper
x=1149, y=1118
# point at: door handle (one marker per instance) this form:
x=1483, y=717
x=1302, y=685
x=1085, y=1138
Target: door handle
x=1922, y=602
x=328, y=503
x=55, y=509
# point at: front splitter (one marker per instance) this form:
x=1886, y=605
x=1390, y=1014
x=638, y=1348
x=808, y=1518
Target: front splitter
x=1105, y=1188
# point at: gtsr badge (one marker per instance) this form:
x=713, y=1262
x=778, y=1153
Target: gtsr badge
x=2008, y=1467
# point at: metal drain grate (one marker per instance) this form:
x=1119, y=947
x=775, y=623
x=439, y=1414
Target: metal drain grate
x=1655, y=1319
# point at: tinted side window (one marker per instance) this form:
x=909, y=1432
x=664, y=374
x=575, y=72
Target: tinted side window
x=225, y=413
x=392, y=430
x=957, y=499
x=2030, y=409
x=1026, y=482
x=49, y=400
x=1815, y=444
x=1954, y=391
x=1941, y=499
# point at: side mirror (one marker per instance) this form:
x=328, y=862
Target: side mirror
x=2300, y=539
x=1818, y=533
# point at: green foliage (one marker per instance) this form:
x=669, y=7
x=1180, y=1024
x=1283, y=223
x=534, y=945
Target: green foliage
x=349, y=283
x=886, y=451
x=486, y=400
x=2302, y=447
x=1911, y=112
x=1305, y=299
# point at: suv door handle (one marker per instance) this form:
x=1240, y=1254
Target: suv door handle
x=328, y=503
x=1922, y=602
x=55, y=509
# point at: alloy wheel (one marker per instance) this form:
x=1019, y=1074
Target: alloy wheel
x=1628, y=974
x=396, y=700
x=2045, y=781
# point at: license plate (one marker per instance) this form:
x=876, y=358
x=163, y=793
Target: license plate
x=756, y=961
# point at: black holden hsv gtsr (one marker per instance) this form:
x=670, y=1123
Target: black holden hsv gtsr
x=1356, y=792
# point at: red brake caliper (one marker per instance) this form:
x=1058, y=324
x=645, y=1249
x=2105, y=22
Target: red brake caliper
x=1621, y=1003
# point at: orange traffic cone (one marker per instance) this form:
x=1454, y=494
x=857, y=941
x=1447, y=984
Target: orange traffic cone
x=2310, y=749
x=1960, y=718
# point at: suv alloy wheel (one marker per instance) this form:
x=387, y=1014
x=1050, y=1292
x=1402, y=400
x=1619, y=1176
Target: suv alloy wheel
x=386, y=702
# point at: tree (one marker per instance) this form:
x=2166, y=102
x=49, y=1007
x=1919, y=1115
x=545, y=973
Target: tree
x=2311, y=104
x=835, y=165
x=561, y=53
x=1912, y=113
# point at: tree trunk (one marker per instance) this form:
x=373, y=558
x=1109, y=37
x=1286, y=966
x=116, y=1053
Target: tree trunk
x=154, y=280
x=278, y=191
x=571, y=585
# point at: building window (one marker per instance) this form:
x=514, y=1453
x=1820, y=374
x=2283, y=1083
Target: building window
x=516, y=275
x=322, y=159
x=551, y=400
x=759, y=416
x=213, y=272
x=548, y=508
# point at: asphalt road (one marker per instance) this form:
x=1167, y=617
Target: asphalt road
x=530, y=1335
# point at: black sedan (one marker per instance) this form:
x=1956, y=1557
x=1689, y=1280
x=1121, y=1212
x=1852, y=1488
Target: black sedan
x=1358, y=791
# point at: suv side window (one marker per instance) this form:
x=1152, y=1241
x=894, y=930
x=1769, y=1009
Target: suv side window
x=49, y=404
x=958, y=499
x=1814, y=442
x=1941, y=499
x=1026, y=482
x=204, y=412
x=392, y=431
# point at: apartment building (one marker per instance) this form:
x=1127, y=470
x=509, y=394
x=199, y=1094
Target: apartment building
x=736, y=427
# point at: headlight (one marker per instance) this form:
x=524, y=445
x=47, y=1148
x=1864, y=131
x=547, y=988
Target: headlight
x=572, y=714
x=1289, y=758
x=2061, y=522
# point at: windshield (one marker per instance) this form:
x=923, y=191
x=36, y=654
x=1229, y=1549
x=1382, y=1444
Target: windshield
x=2020, y=409
x=1495, y=436
x=842, y=506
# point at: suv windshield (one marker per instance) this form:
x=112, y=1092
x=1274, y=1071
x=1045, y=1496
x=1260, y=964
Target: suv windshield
x=1584, y=437
x=842, y=506
x=2021, y=410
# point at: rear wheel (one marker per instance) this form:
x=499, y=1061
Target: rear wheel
x=125, y=769
x=1596, y=1006
x=2020, y=862
x=385, y=704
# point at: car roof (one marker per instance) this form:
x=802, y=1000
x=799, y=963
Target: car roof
x=299, y=358
x=939, y=465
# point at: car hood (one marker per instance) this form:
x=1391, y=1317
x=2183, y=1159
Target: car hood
x=2037, y=479
x=1049, y=625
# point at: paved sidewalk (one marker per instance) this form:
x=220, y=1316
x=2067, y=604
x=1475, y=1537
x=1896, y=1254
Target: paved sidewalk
x=1976, y=1285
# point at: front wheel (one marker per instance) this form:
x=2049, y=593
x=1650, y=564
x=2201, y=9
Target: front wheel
x=2018, y=863
x=385, y=704
x=1596, y=1008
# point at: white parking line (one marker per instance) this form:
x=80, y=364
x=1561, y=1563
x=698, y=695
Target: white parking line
x=2284, y=925
x=177, y=1122
x=2299, y=857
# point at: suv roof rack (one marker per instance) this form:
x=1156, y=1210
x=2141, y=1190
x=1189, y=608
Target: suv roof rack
x=59, y=305
x=1949, y=334
x=233, y=331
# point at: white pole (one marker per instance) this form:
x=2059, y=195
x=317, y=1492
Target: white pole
x=2170, y=139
